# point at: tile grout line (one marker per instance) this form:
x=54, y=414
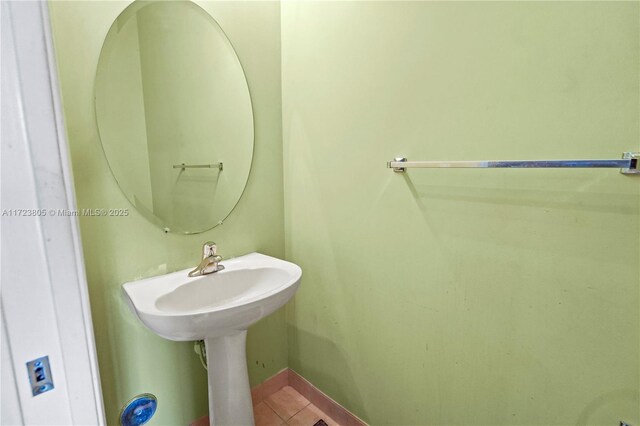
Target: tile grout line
x=279, y=416
x=304, y=388
x=272, y=409
x=297, y=412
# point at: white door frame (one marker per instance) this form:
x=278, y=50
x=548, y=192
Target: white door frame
x=43, y=288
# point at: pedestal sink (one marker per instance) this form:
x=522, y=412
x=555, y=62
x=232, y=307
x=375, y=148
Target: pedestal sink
x=218, y=308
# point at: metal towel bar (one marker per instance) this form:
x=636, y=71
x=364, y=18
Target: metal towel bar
x=628, y=165
x=198, y=166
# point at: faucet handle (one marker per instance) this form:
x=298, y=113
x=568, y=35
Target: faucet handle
x=209, y=249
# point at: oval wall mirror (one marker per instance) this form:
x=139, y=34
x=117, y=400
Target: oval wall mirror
x=174, y=114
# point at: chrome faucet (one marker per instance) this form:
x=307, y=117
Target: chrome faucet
x=209, y=263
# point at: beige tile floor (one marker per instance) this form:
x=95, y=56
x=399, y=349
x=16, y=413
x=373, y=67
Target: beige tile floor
x=288, y=407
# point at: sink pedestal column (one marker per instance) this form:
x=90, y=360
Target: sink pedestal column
x=229, y=392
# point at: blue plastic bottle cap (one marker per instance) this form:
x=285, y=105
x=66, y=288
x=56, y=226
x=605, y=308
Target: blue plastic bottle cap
x=139, y=410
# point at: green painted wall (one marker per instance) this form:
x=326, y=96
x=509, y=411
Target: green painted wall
x=451, y=297
x=435, y=297
x=132, y=359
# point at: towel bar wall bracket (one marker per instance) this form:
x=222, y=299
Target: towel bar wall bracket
x=628, y=165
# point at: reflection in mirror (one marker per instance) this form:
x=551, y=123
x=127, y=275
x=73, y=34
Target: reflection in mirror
x=174, y=114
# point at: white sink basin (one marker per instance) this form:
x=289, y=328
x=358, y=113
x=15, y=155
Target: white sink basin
x=250, y=287
x=217, y=308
